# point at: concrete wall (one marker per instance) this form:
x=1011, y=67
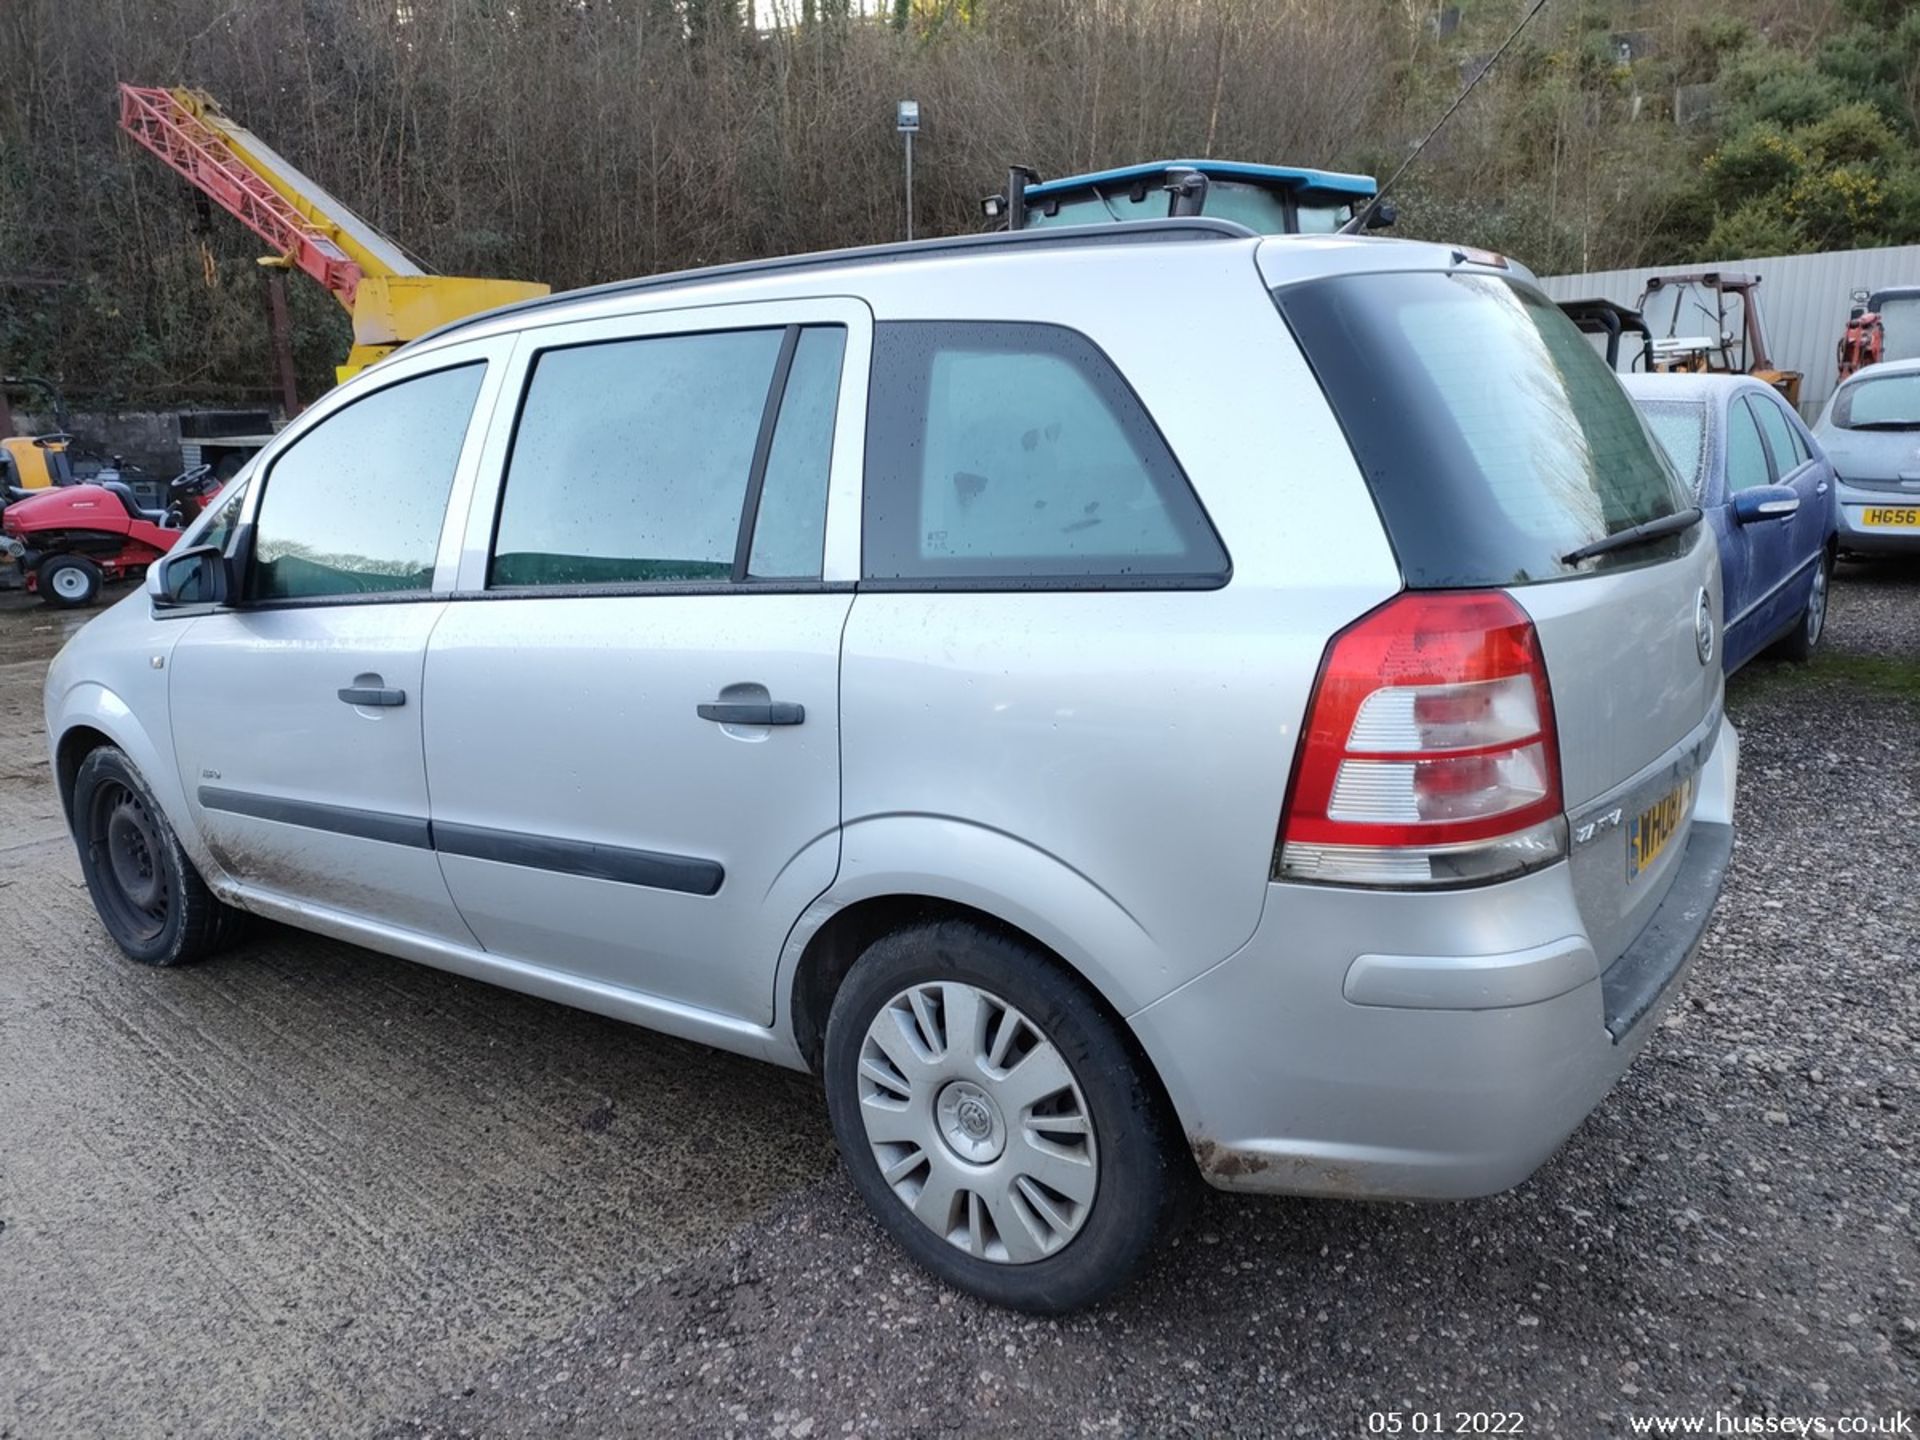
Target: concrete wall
x=1805, y=300
x=147, y=438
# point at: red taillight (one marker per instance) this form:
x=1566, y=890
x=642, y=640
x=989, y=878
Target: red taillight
x=1429, y=755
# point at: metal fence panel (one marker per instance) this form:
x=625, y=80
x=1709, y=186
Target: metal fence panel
x=1805, y=300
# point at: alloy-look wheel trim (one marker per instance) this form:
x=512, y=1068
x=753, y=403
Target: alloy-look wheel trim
x=1817, y=604
x=977, y=1123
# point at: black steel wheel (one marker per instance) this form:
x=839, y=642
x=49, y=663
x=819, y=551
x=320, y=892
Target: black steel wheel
x=147, y=893
x=137, y=887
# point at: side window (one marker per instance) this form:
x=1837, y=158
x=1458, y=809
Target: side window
x=1003, y=451
x=791, y=529
x=635, y=461
x=355, y=506
x=1746, y=457
x=1802, y=449
x=1780, y=435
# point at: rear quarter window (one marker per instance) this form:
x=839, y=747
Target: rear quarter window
x=1494, y=440
x=1681, y=428
x=1014, y=455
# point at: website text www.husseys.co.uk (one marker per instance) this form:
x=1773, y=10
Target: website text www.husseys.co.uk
x=1812, y=1427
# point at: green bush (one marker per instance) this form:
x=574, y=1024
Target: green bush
x=1766, y=83
x=1758, y=159
x=1759, y=227
x=1854, y=134
x=1838, y=206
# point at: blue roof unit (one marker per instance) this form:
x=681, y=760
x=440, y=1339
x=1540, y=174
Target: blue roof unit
x=1296, y=177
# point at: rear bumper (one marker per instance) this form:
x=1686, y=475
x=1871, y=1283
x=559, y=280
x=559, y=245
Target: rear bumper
x=1855, y=536
x=1442, y=1046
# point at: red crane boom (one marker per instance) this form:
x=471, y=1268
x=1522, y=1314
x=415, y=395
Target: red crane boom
x=162, y=122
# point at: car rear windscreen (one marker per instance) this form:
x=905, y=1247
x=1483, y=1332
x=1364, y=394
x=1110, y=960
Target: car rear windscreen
x=1879, y=402
x=1492, y=436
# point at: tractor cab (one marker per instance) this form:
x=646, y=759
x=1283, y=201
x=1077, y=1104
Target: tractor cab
x=1268, y=199
x=1709, y=323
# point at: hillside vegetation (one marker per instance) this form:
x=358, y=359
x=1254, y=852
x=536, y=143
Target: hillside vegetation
x=579, y=140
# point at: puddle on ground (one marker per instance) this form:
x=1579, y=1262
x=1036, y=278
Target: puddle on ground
x=31, y=629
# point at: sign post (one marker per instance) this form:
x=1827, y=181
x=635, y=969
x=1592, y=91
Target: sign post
x=907, y=121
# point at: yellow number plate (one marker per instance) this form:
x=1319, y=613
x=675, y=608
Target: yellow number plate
x=1883, y=517
x=1653, y=828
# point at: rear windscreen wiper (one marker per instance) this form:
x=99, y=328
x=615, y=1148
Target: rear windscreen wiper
x=1673, y=524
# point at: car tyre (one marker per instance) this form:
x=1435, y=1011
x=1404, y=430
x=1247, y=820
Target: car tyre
x=146, y=891
x=943, y=1049
x=1800, y=644
x=69, y=581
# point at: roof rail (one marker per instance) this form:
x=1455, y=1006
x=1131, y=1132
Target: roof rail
x=1134, y=232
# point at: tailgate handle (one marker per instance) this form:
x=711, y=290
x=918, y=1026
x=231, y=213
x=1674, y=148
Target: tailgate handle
x=763, y=712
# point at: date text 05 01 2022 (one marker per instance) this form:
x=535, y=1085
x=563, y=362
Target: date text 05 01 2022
x=1446, y=1422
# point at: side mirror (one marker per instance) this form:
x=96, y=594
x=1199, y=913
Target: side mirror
x=1188, y=188
x=1764, y=502
x=1380, y=215
x=200, y=576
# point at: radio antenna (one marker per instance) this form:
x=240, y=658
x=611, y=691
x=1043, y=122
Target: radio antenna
x=1358, y=222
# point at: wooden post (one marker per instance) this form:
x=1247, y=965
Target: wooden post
x=280, y=329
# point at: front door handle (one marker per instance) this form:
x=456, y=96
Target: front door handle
x=1821, y=488
x=748, y=712
x=372, y=695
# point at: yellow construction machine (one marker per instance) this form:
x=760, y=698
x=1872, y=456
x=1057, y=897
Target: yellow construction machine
x=35, y=462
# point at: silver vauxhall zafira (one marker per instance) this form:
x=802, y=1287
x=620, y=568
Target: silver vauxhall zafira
x=1119, y=704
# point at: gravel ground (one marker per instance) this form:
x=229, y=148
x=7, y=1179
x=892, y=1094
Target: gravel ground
x=1732, y=1231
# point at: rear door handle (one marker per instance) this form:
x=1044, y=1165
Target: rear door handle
x=748, y=712
x=372, y=695
x=1821, y=488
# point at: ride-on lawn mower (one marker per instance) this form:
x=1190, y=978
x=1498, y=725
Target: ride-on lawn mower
x=66, y=542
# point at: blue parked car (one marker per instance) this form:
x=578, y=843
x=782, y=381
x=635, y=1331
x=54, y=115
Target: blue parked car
x=1767, y=490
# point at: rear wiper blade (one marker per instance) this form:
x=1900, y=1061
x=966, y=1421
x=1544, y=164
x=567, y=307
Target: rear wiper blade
x=1674, y=524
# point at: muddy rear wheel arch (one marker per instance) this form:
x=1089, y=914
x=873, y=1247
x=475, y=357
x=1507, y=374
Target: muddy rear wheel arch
x=833, y=949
